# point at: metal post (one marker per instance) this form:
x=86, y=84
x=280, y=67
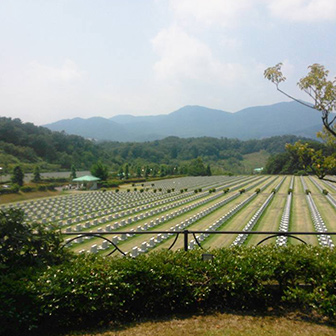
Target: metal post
x=185, y=232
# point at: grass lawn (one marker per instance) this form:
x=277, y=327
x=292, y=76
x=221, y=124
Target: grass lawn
x=21, y=196
x=255, y=160
x=222, y=324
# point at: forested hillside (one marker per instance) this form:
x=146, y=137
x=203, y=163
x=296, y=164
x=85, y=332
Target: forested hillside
x=27, y=143
x=30, y=145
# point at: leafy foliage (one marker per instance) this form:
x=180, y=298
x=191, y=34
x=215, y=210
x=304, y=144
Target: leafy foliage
x=306, y=157
x=18, y=175
x=317, y=86
x=91, y=290
x=37, y=175
x=23, y=244
x=24, y=250
x=100, y=170
x=30, y=143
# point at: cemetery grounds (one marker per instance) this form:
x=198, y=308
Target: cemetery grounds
x=214, y=203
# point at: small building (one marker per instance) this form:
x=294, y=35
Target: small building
x=258, y=170
x=88, y=181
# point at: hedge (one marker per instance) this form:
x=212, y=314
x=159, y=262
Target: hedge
x=91, y=290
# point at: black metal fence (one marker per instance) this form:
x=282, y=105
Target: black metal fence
x=190, y=233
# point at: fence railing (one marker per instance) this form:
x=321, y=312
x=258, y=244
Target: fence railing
x=191, y=233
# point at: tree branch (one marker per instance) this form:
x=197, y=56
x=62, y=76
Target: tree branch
x=327, y=125
x=297, y=100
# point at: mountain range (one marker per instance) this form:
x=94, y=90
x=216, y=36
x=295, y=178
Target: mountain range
x=197, y=121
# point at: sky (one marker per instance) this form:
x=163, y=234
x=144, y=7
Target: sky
x=61, y=59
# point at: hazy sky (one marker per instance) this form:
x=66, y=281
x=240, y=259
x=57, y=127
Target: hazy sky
x=81, y=58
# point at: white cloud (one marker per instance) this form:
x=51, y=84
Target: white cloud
x=184, y=57
x=209, y=12
x=69, y=71
x=38, y=93
x=230, y=13
x=303, y=10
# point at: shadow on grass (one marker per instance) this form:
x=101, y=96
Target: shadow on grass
x=296, y=315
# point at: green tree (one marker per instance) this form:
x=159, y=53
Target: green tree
x=73, y=173
x=328, y=139
x=163, y=171
x=197, y=168
x=37, y=175
x=208, y=170
x=147, y=171
x=279, y=164
x=138, y=171
x=18, y=176
x=121, y=173
x=317, y=86
x=312, y=160
x=126, y=171
x=23, y=244
x=99, y=170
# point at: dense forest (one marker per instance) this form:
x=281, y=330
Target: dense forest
x=30, y=145
x=304, y=158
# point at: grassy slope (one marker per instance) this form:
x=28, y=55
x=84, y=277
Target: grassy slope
x=21, y=196
x=255, y=160
x=222, y=324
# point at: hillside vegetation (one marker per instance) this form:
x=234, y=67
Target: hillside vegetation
x=30, y=145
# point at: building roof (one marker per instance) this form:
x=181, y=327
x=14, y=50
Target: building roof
x=86, y=178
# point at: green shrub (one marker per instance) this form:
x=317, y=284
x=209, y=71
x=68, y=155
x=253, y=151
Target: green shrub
x=23, y=244
x=51, y=187
x=290, y=190
x=27, y=189
x=15, y=188
x=307, y=191
x=117, y=190
x=301, y=173
x=257, y=191
x=325, y=192
x=91, y=290
x=241, y=191
x=42, y=188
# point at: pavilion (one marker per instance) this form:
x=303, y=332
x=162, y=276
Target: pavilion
x=89, y=181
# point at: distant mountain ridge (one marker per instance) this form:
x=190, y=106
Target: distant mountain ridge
x=197, y=121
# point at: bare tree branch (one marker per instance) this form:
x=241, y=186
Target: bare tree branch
x=297, y=100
